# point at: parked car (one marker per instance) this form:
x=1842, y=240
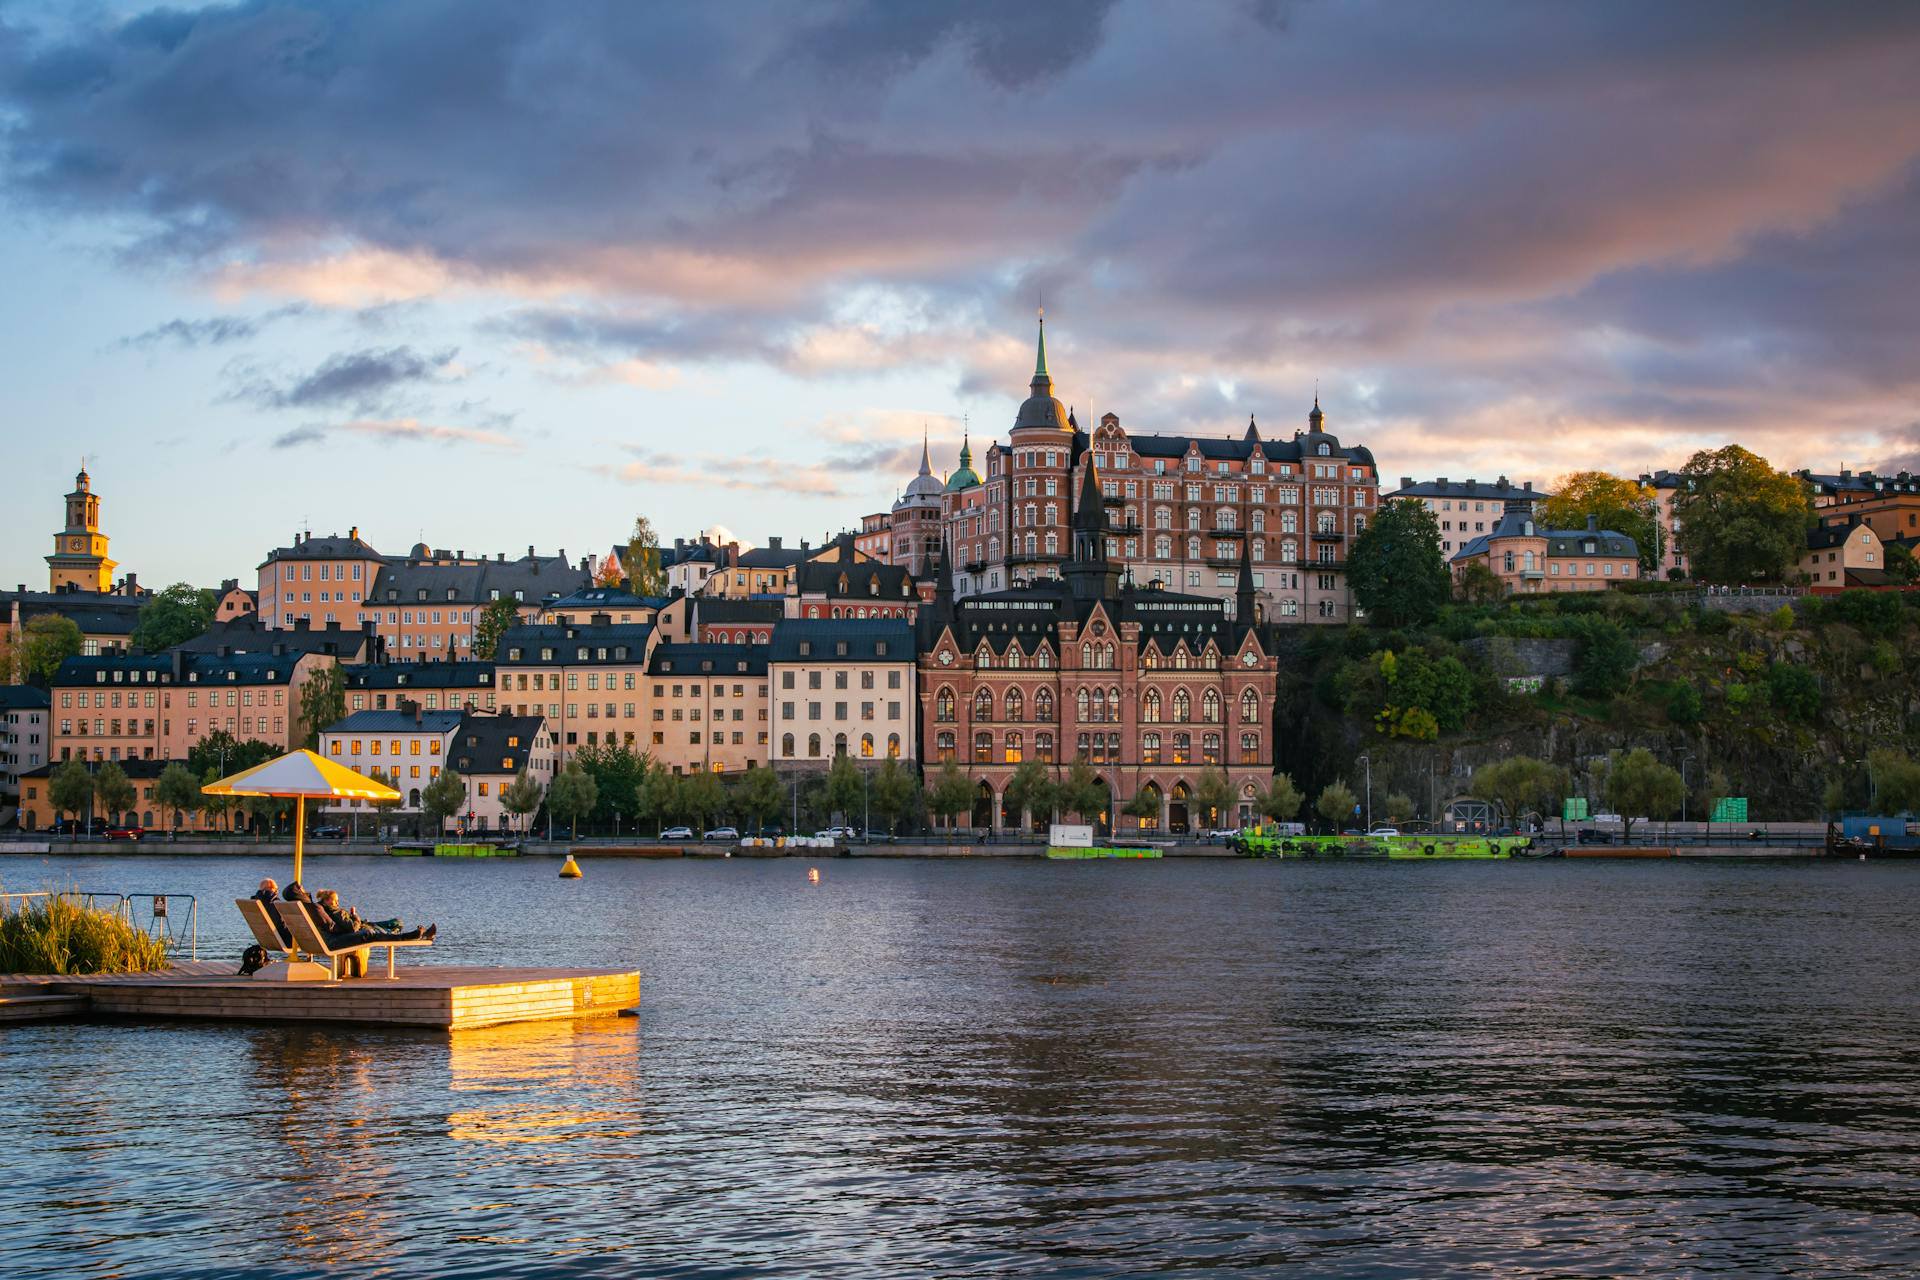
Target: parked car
x=723, y=833
x=68, y=827
x=1378, y=832
x=1222, y=833
x=837, y=833
x=330, y=833
x=877, y=837
x=123, y=833
x=677, y=833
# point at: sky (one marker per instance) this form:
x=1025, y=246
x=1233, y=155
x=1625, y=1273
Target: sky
x=492, y=274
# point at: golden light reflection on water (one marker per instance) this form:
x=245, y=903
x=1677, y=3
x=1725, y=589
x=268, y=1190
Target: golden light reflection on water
x=533, y=1065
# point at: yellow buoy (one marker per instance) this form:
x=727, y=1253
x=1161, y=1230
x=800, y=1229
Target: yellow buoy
x=570, y=870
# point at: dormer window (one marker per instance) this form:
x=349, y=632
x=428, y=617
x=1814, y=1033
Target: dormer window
x=421, y=594
x=1324, y=451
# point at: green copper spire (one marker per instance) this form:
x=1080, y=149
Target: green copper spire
x=1040, y=361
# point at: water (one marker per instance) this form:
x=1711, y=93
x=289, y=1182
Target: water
x=987, y=1068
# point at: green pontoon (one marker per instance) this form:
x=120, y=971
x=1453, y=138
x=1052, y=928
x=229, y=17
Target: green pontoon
x=1102, y=851
x=1256, y=844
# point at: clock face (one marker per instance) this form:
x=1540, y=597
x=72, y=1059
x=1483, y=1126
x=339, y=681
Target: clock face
x=78, y=544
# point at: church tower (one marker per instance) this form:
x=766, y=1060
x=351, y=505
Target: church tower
x=79, y=558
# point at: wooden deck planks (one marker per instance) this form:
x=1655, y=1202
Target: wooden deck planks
x=451, y=997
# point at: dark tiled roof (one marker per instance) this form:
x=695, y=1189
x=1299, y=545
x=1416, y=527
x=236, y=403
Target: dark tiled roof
x=571, y=645
x=494, y=744
x=177, y=668
x=23, y=697
x=865, y=580
x=607, y=598
x=331, y=547
x=136, y=770
x=709, y=659
x=246, y=635
x=823, y=639
x=536, y=578
x=1560, y=542
x=1857, y=482
x=774, y=557
x=420, y=675
x=1496, y=490
x=397, y=722
x=1297, y=449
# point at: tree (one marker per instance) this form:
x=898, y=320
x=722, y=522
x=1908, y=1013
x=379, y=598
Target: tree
x=1740, y=520
x=499, y=617
x=1335, y=804
x=113, y=789
x=1794, y=689
x=893, y=791
x=176, y=789
x=1478, y=584
x=225, y=754
x=1281, y=800
x=1901, y=564
x=951, y=794
x=758, y=795
x=1398, y=807
x=384, y=808
x=1145, y=805
x=702, y=796
x=608, y=575
x=1395, y=568
x=47, y=641
x=1084, y=793
x=573, y=793
x=645, y=577
x=1212, y=794
x=618, y=773
x=1895, y=780
x=1638, y=784
x=846, y=788
x=323, y=701
x=263, y=812
x=173, y=616
x=214, y=806
x=660, y=797
x=70, y=789
x=443, y=798
x=1030, y=789
x=1713, y=789
x=521, y=797
x=1622, y=505
x=1604, y=658
x=1520, y=785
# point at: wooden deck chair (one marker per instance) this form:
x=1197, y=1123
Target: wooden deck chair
x=254, y=912
x=307, y=936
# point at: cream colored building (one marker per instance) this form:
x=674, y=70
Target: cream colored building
x=841, y=687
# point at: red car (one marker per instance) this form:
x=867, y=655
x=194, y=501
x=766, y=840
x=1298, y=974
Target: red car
x=123, y=833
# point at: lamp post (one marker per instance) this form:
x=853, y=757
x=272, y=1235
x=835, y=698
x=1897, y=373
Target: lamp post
x=1685, y=760
x=1368, y=761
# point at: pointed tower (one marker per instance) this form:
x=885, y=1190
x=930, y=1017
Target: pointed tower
x=1245, y=602
x=1089, y=574
x=943, y=585
x=1041, y=409
x=79, y=560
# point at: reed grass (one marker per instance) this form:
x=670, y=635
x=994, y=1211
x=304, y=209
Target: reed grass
x=55, y=935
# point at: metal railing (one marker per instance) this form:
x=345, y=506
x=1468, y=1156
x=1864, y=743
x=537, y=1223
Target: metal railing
x=174, y=918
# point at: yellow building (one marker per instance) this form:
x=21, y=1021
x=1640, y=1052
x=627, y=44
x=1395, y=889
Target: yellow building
x=79, y=560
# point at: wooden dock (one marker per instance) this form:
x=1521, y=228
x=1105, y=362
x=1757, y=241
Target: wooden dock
x=448, y=997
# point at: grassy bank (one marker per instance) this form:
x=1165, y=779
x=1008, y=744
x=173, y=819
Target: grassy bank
x=53, y=935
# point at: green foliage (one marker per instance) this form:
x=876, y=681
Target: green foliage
x=225, y=754
x=702, y=796
x=1032, y=789
x=1877, y=613
x=1895, y=780
x=1212, y=793
x=522, y=796
x=758, y=795
x=323, y=702
x=1683, y=703
x=1398, y=807
x=496, y=619
x=1521, y=785
x=1604, y=659
x=894, y=790
x=645, y=576
x=70, y=789
x=1144, y=805
x=1781, y=619
x=1884, y=658
x=57, y=936
x=112, y=788
x=173, y=616
x=1412, y=694
x=1742, y=698
x=1637, y=785
x=1281, y=800
x=617, y=771
x=658, y=796
x=1741, y=521
x=1395, y=568
x=573, y=794
x=443, y=798
x=846, y=788
x=1478, y=584
x=1901, y=564
x=951, y=794
x=1833, y=799
x=1416, y=723
x=1794, y=689
x=45, y=643
x=1713, y=789
x=1616, y=503
x=1335, y=803
x=176, y=788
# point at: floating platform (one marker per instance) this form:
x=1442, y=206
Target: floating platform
x=1068, y=852
x=447, y=997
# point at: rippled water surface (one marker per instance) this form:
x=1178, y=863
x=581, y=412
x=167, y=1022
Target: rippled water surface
x=994, y=1068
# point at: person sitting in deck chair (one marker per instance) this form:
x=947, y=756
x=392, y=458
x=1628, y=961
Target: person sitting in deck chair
x=339, y=935
x=266, y=893
x=351, y=918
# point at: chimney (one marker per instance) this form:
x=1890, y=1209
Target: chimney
x=1502, y=483
x=179, y=658
x=1593, y=524
x=460, y=554
x=279, y=649
x=601, y=619
x=773, y=544
x=224, y=651
x=1443, y=481
x=354, y=533
x=133, y=584
x=500, y=557
x=1406, y=482
x=1528, y=486
x=529, y=551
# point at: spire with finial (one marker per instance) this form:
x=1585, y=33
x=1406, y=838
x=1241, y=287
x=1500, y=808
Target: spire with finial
x=1253, y=432
x=926, y=463
x=1243, y=597
x=1316, y=420
x=1042, y=380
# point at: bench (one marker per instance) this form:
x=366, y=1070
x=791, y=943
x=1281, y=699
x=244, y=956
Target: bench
x=254, y=912
x=307, y=937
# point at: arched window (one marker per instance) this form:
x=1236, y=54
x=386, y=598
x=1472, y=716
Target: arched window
x=1150, y=707
x=1163, y=517
x=1249, y=746
x=1150, y=659
x=1043, y=747
x=1013, y=747
x=1193, y=517
x=943, y=745
x=1113, y=705
x=1163, y=547
x=1086, y=655
x=943, y=706
x=1013, y=656
x=1323, y=523
x=1106, y=657
x=893, y=746
x=1210, y=748
x=813, y=745
x=1043, y=658
x=1182, y=706
x=1289, y=522
x=1210, y=707
x=1182, y=748
x=1193, y=548
x=1080, y=705
x=1015, y=705
x=1212, y=660
x=1150, y=748
x=982, y=747
x=1223, y=518
x=982, y=658
x=1250, y=707
x=786, y=745
x=866, y=746
x=993, y=548
x=1180, y=658
x=983, y=705
x=1043, y=705
x=839, y=744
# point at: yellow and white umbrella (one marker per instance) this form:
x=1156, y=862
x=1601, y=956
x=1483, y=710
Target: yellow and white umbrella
x=301, y=776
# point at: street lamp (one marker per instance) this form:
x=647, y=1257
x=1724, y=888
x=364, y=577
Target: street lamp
x=1685, y=760
x=1368, y=761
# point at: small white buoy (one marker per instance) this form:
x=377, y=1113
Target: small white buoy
x=570, y=870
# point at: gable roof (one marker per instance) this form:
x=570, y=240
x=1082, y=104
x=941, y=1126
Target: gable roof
x=694, y=659
x=814, y=640
x=488, y=744
x=398, y=722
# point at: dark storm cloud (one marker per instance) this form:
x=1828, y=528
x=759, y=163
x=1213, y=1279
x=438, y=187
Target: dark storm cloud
x=1638, y=213
x=361, y=379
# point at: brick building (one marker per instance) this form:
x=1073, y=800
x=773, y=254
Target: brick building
x=1530, y=559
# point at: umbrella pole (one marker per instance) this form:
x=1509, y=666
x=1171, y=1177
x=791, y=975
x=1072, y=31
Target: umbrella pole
x=299, y=833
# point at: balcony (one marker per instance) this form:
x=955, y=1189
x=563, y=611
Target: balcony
x=1037, y=557
x=1223, y=533
x=973, y=566
x=1327, y=535
x=1125, y=530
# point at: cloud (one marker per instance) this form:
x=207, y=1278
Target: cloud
x=396, y=431
x=362, y=379
x=210, y=331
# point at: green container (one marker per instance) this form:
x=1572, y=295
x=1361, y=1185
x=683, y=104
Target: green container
x=1056, y=851
x=471, y=851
